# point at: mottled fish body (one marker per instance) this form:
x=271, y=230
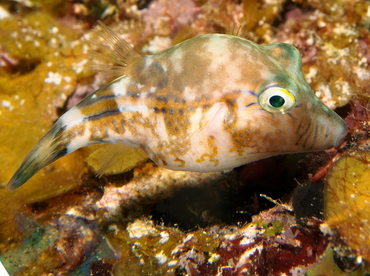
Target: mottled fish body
x=213, y=102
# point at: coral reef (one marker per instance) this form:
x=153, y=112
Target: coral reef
x=271, y=244
x=151, y=221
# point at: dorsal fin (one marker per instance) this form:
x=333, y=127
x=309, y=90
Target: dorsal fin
x=112, y=55
x=233, y=29
x=239, y=30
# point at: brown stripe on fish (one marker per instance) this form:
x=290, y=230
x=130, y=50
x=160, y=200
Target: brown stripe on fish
x=107, y=129
x=60, y=141
x=101, y=107
x=67, y=134
x=136, y=116
x=92, y=129
x=176, y=126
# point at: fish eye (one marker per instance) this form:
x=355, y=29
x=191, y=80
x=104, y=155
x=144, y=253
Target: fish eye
x=276, y=99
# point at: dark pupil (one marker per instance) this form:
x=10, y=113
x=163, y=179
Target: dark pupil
x=277, y=101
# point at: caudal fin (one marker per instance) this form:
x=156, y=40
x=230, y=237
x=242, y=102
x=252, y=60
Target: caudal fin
x=71, y=131
x=50, y=148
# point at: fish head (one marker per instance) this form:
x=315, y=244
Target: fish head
x=282, y=114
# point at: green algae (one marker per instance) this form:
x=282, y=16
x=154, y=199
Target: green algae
x=34, y=243
x=44, y=247
x=273, y=228
x=327, y=266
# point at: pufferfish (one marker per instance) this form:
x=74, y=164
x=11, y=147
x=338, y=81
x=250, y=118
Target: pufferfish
x=210, y=103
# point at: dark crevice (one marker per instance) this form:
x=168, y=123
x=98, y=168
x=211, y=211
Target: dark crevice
x=143, y=4
x=343, y=111
x=19, y=66
x=288, y=7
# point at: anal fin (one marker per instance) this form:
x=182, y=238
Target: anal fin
x=115, y=159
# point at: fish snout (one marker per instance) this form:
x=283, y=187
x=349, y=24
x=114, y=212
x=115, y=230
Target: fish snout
x=329, y=130
x=341, y=133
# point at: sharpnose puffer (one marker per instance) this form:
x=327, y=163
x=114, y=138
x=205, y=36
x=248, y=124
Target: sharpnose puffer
x=213, y=102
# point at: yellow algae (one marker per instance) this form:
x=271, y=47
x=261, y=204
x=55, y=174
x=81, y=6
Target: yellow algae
x=36, y=36
x=27, y=113
x=52, y=6
x=260, y=13
x=24, y=117
x=151, y=249
x=29, y=101
x=347, y=202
